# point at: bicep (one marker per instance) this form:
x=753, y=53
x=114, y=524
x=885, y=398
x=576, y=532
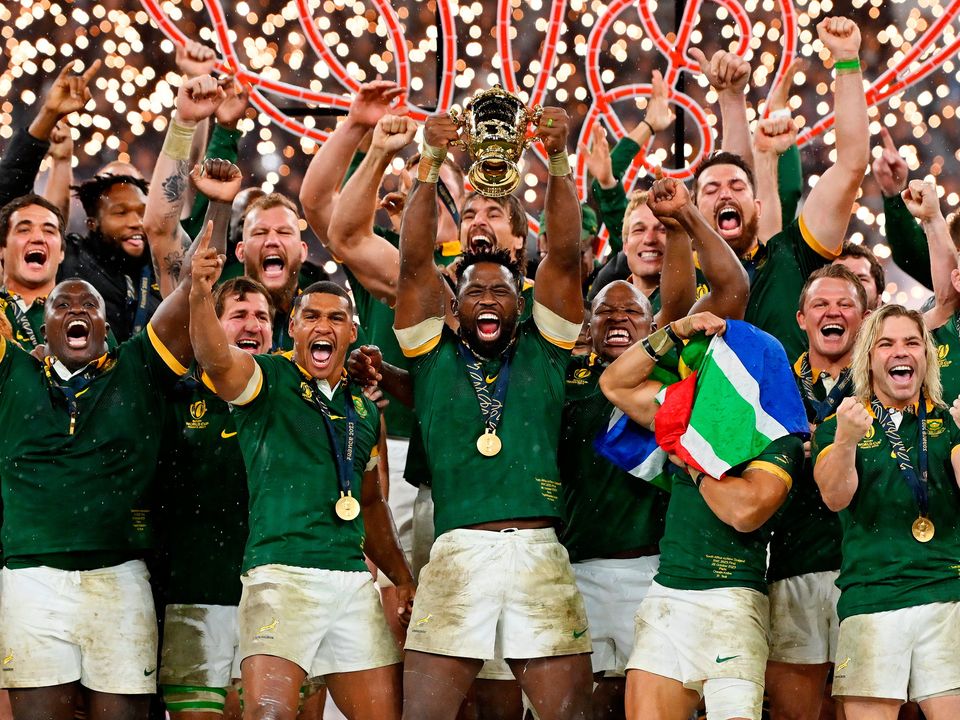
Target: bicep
x=770, y=490
x=375, y=263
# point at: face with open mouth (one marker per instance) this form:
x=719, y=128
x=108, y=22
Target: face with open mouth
x=488, y=306
x=247, y=322
x=726, y=199
x=485, y=225
x=898, y=362
x=621, y=316
x=75, y=324
x=120, y=218
x=322, y=329
x=33, y=249
x=272, y=251
x=644, y=244
x=831, y=316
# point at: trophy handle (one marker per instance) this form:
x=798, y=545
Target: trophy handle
x=459, y=121
x=533, y=117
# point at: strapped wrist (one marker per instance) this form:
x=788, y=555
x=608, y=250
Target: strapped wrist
x=847, y=66
x=179, y=140
x=559, y=164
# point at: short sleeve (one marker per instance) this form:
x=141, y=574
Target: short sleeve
x=421, y=338
x=782, y=457
x=823, y=438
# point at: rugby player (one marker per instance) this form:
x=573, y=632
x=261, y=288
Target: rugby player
x=496, y=484
x=888, y=463
x=308, y=440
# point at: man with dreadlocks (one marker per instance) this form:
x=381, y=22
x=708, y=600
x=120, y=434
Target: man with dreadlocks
x=488, y=397
x=114, y=257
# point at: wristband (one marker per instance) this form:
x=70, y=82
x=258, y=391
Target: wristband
x=697, y=476
x=649, y=127
x=672, y=334
x=780, y=114
x=648, y=349
x=852, y=65
x=178, y=141
x=658, y=343
x=431, y=160
x=559, y=164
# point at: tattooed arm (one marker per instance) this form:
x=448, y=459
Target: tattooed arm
x=197, y=99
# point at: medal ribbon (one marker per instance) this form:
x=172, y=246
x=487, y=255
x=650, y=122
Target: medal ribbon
x=343, y=454
x=74, y=387
x=139, y=299
x=491, y=405
x=826, y=407
x=20, y=317
x=917, y=483
x=448, y=202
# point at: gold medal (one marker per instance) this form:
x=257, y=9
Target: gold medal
x=489, y=444
x=347, y=507
x=923, y=529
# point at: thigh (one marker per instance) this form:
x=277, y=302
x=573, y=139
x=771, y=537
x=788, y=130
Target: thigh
x=608, y=699
x=57, y=702
x=367, y=694
x=434, y=686
x=795, y=691
x=111, y=706
x=498, y=699
x=941, y=708
x=272, y=682
x=655, y=697
x=558, y=687
x=860, y=708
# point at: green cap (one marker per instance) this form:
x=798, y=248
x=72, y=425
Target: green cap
x=589, y=224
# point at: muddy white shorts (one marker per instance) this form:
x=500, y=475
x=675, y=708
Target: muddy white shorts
x=326, y=621
x=908, y=654
x=95, y=626
x=200, y=646
x=803, y=619
x=612, y=591
x=700, y=636
x=508, y=594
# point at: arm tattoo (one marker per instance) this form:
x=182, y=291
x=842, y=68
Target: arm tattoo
x=174, y=263
x=175, y=185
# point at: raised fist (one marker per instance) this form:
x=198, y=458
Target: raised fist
x=668, y=197
x=195, y=59
x=235, y=101
x=921, y=200
x=393, y=133
x=364, y=365
x=198, y=98
x=775, y=135
x=553, y=129
x=219, y=180
x=840, y=36
x=440, y=131
x=853, y=421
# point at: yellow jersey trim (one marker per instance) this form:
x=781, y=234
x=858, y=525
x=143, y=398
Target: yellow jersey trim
x=555, y=329
x=252, y=390
x=823, y=452
x=451, y=248
x=421, y=338
x=954, y=449
x=3, y=348
x=814, y=243
x=773, y=470
x=169, y=360
x=205, y=379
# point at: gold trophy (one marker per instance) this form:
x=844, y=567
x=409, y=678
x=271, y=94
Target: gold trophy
x=493, y=130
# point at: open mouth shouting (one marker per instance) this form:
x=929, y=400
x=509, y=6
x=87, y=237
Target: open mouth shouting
x=480, y=241
x=729, y=221
x=488, y=326
x=249, y=344
x=833, y=332
x=321, y=352
x=901, y=375
x=617, y=337
x=35, y=258
x=273, y=266
x=78, y=333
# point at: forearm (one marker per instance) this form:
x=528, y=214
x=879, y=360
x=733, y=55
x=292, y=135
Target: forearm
x=20, y=165
x=210, y=345
x=325, y=174
x=611, y=205
x=742, y=503
x=851, y=126
x=908, y=243
x=197, y=148
x=766, y=169
x=729, y=284
x=397, y=382
x=622, y=380
x=43, y=124
x=382, y=545
x=736, y=129
x=943, y=261
x=562, y=210
x=418, y=231
x=626, y=149
x=224, y=145
x=789, y=184
x=59, y=180
x=836, y=475
x=353, y=215
x=678, y=278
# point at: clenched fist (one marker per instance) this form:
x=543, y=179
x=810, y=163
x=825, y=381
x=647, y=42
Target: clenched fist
x=853, y=421
x=840, y=36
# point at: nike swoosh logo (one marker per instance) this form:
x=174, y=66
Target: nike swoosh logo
x=224, y=434
x=723, y=660
x=148, y=673
x=491, y=379
x=578, y=635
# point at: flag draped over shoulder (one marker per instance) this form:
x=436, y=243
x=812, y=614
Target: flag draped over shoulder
x=737, y=396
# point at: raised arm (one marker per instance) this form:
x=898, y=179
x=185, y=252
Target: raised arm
x=321, y=184
x=773, y=138
x=352, y=238
x=831, y=199
x=921, y=199
x=789, y=167
x=835, y=467
x=558, y=285
x=728, y=74
x=421, y=292
x=60, y=176
x=197, y=100
x=729, y=285
x=625, y=383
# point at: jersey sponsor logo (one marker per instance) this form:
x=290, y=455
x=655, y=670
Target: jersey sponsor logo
x=702, y=289
x=262, y=632
x=942, y=352
x=197, y=410
x=227, y=435
x=424, y=620
x=579, y=376
x=725, y=659
x=359, y=406
x=7, y=660
x=491, y=378
x=148, y=673
x=935, y=427
x=306, y=392
x=577, y=634
x=843, y=665
x=868, y=443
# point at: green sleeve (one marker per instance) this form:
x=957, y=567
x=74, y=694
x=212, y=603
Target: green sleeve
x=224, y=145
x=822, y=437
x=612, y=202
x=789, y=183
x=908, y=243
x=358, y=157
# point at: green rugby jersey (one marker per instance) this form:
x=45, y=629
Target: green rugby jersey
x=884, y=567
x=27, y=324
x=292, y=470
x=522, y=481
x=948, y=353
x=777, y=272
x=806, y=536
x=607, y=510
x=699, y=551
x=202, y=488
x=88, y=492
